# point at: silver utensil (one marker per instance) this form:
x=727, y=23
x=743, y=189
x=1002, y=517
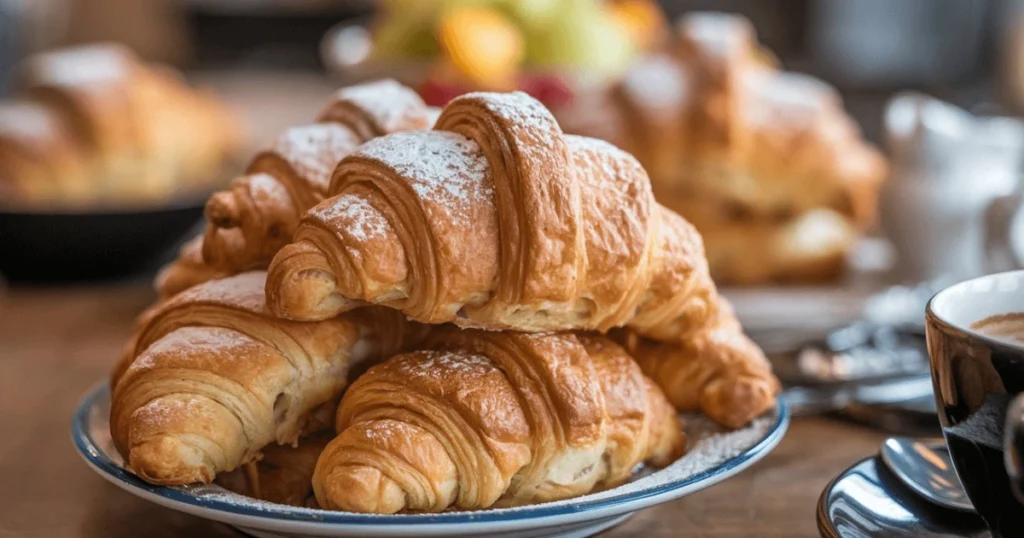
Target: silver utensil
x=925, y=467
x=813, y=400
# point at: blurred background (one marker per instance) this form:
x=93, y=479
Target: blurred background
x=842, y=159
x=960, y=50
x=892, y=169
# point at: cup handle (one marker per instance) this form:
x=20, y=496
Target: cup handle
x=1013, y=445
x=1000, y=254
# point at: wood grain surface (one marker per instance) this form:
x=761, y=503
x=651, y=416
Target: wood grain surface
x=56, y=343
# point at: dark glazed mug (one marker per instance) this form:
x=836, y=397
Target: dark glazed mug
x=978, y=382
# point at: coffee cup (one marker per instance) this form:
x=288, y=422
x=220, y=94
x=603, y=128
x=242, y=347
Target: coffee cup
x=978, y=376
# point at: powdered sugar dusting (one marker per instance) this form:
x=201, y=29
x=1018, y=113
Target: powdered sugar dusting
x=381, y=431
x=446, y=170
x=314, y=150
x=721, y=34
x=775, y=98
x=264, y=186
x=244, y=291
x=80, y=65
x=596, y=145
x=28, y=122
x=606, y=156
x=658, y=83
x=528, y=121
x=358, y=217
x=390, y=103
x=188, y=341
x=518, y=108
x=446, y=363
x=162, y=410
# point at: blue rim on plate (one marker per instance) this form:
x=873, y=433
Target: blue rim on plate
x=113, y=472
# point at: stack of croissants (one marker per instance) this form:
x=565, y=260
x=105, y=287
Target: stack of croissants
x=404, y=309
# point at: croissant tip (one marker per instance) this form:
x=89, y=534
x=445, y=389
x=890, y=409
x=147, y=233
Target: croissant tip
x=733, y=403
x=169, y=461
x=221, y=210
x=360, y=488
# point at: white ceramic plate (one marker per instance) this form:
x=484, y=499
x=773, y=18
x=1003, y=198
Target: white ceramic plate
x=713, y=456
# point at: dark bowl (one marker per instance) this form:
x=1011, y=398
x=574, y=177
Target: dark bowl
x=89, y=244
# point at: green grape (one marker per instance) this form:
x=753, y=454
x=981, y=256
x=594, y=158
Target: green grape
x=404, y=37
x=584, y=37
x=533, y=15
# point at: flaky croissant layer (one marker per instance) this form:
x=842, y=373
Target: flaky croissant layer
x=496, y=220
x=248, y=223
x=493, y=419
x=214, y=378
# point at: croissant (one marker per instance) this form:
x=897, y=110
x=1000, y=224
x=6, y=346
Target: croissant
x=145, y=132
x=720, y=373
x=809, y=247
x=187, y=270
x=251, y=221
x=496, y=220
x=736, y=145
x=40, y=160
x=506, y=418
x=215, y=378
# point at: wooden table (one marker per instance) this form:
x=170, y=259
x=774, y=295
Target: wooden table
x=56, y=343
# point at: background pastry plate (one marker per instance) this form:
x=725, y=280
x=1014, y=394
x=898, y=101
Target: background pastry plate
x=712, y=457
x=84, y=244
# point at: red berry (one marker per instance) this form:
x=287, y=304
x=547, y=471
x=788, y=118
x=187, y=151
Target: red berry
x=548, y=89
x=438, y=93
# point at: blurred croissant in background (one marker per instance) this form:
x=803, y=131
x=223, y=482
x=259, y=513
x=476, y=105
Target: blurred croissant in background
x=94, y=124
x=765, y=163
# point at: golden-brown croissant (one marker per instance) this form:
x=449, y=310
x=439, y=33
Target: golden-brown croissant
x=378, y=108
x=496, y=220
x=251, y=221
x=809, y=247
x=506, y=418
x=187, y=270
x=720, y=372
x=722, y=132
x=215, y=377
x=40, y=159
x=146, y=132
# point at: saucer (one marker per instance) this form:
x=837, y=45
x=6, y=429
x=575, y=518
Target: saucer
x=713, y=455
x=868, y=501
